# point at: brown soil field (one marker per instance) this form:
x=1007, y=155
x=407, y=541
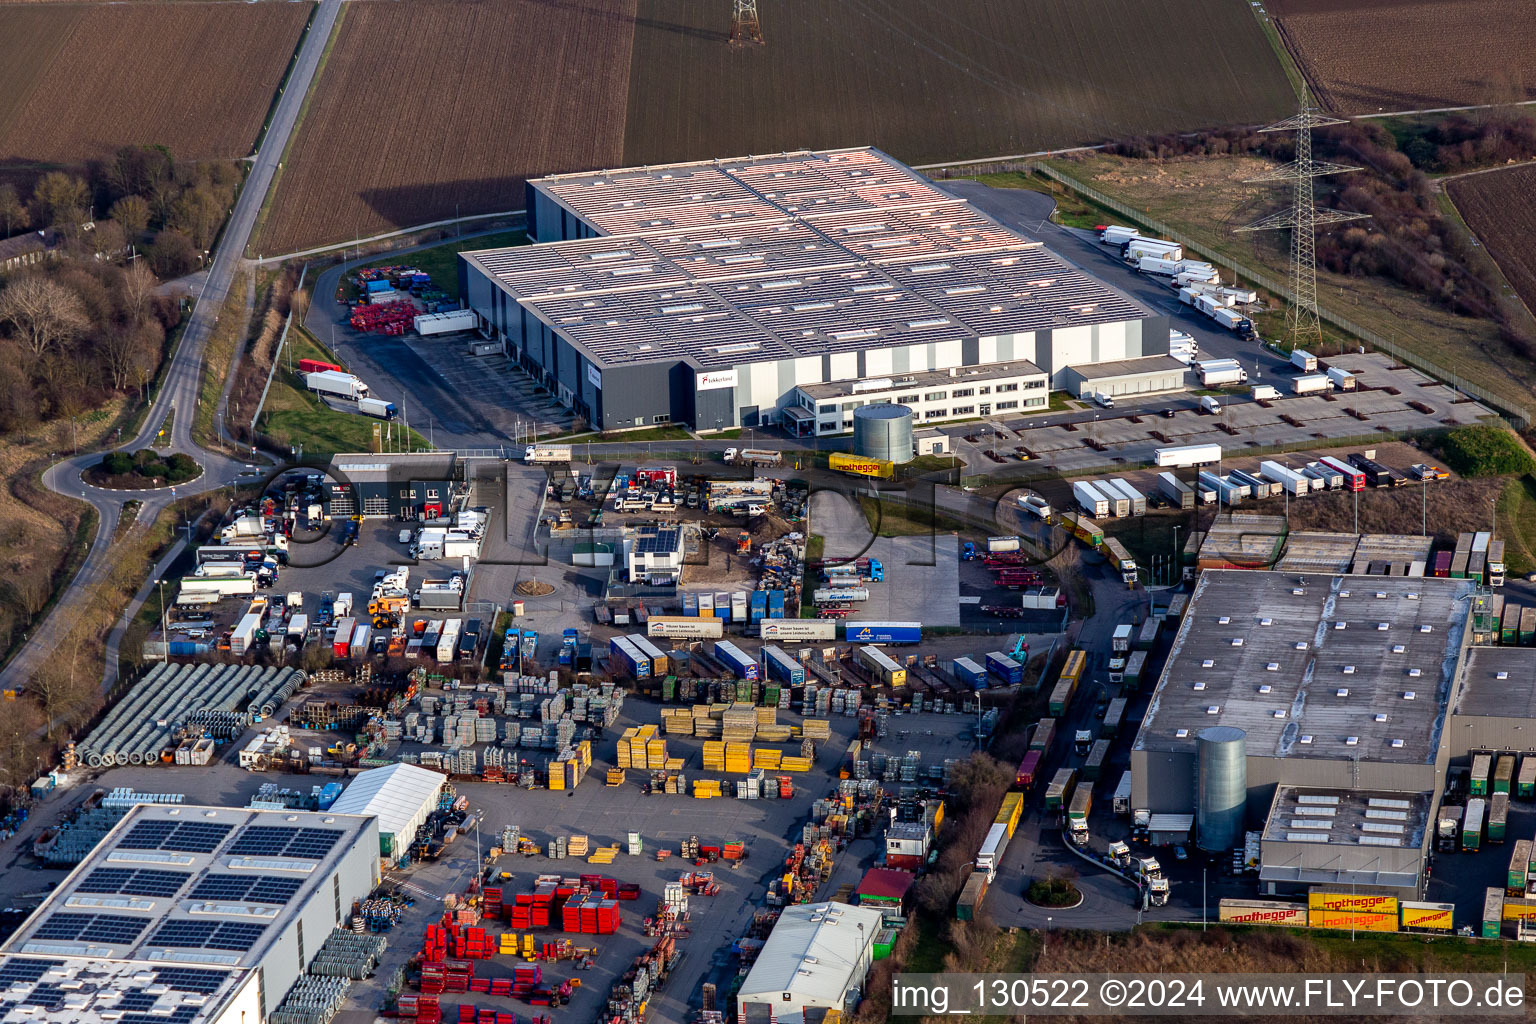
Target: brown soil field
x=83, y=80
x=1365, y=56
x=496, y=91
x=931, y=82
x=1500, y=207
x=437, y=106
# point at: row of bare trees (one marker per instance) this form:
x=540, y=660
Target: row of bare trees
x=140, y=197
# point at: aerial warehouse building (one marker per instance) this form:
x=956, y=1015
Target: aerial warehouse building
x=816, y=958
x=190, y=915
x=791, y=289
x=400, y=797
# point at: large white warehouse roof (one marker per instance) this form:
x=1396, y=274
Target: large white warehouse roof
x=394, y=794
x=796, y=255
x=815, y=951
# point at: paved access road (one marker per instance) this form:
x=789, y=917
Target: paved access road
x=180, y=388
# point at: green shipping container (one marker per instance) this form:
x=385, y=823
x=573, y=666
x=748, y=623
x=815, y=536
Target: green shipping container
x=1503, y=773
x=1493, y=913
x=1135, y=667
x=1525, y=782
x=1527, y=626
x=1481, y=765
x=1498, y=817
x=1519, y=866
x=1509, y=625
x=669, y=688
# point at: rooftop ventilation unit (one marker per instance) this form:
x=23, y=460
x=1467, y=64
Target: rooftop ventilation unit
x=1426, y=628
x=1381, y=718
x=1273, y=666
x=1181, y=733
x=1214, y=709
x=1207, y=663
x=1306, y=738
x=1349, y=670
x=1351, y=741
x=1414, y=673
x=1199, y=686
x=1301, y=645
x=1342, y=691
x=1383, y=626
x=1501, y=674
x=1237, y=641
x=1266, y=688
x=1279, y=713
x=1266, y=622
x=1410, y=695
x=1398, y=648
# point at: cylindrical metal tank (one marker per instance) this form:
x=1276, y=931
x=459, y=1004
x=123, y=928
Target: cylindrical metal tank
x=1221, y=788
x=883, y=432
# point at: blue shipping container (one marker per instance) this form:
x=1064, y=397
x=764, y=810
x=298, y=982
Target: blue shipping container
x=690, y=603
x=630, y=659
x=328, y=794
x=970, y=673
x=723, y=606
x=782, y=667
x=1005, y=668
x=883, y=632
x=731, y=656
x=759, y=609
x=775, y=604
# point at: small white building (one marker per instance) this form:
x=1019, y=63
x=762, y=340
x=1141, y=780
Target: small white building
x=654, y=552
x=400, y=796
x=816, y=957
x=1149, y=375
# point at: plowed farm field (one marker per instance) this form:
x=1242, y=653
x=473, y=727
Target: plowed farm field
x=77, y=81
x=1500, y=207
x=930, y=82
x=438, y=107
x=1367, y=56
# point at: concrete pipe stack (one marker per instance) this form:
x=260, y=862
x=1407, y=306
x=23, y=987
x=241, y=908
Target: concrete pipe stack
x=213, y=699
x=348, y=955
x=312, y=1000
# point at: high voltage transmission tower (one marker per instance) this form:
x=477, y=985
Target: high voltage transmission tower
x=745, y=28
x=1303, y=217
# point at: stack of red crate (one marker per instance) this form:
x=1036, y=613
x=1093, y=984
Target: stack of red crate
x=434, y=948
x=531, y=909
x=424, y=1008
x=466, y=1013
x=590, y=914
x=471, y=943
x=449, y=976
x=526, y=978
x=492, y=901
x=501, y=986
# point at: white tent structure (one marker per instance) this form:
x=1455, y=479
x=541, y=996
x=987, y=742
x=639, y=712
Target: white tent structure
x=400, y=796
x=816, y=955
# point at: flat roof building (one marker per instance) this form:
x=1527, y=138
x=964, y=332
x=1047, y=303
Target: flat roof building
x=1148, y=375
x=1360, y=839
x=1336, y=681
x=393, y=485
x=816, y=957
x=708, y=292
x=225, y=905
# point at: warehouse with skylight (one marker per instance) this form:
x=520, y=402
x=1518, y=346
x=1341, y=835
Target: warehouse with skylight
x=789, y=290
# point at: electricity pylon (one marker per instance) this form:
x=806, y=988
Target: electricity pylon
x=1303, y=217
x=745, y=28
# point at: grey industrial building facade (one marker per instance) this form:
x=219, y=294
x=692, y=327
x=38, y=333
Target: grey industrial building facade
x=1354, y=695
x=707, y=293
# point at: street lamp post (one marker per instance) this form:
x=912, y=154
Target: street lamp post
x=1175, y=552
x=165, y=637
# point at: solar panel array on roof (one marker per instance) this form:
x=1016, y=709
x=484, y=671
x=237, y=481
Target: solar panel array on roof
x=190, y=979
x=181, y=836
x=116, y=929
x=177, y=1015
x=133, y=882
x=283, y=841
x=231, y=935
x=19, y=969
x=246, y=888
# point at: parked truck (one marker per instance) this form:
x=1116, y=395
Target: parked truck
x=1136, y=498
x=219, y=586
x=1180, y=494
x=1077, y=815
x=1448, y=828
x=1233, y=321
x=1119, y=504
x=1215, y=373
x=336, y=384
x=547, y=453
x=1342, y=379
x=1293, y=481
x=376, y=407
x=1121, y=559
x=1311, y=384
x=1090, y=499
x=754, y=457
x=1304, y=361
